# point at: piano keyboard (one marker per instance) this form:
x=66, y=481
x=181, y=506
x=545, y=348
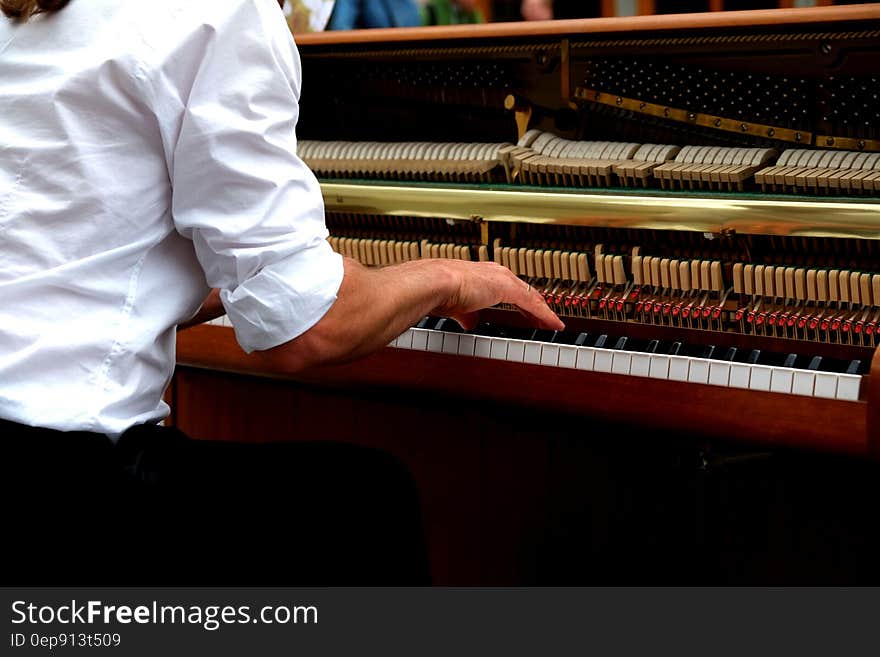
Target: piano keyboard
x=619, y=355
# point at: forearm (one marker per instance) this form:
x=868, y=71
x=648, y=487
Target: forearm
x=375, y=306
x=391, y=300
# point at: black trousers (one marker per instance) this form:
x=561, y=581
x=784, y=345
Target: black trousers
x=158, y=508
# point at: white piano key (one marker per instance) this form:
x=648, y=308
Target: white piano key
x=781, y=379
x=759, y=377
x=848, y=386
x=420, y=339
x=404, y=340
x=719, y=374
x=739, y=375
x=678, y=368
x=393, y=343
x=533, y=353
x=699, y=371
x=435, y=341
x=450, y=343
x=659, y=367
x=516, y=350
x=226, y=321
x=482, y=346
x=466, y=345
x=498, y=348
x=621, y=361
x=826, y=385
x=641, y=364
x=585, y=358
x=550, y=354
x=803, y=382
x=602, y=360
x=567, y=356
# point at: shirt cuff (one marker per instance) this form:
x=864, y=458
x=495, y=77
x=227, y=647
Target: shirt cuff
x=285, y=299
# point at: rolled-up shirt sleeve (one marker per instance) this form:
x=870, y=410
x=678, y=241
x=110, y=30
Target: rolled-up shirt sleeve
x=251, y=207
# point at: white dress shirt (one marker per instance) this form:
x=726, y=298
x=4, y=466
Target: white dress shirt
x=147, y=152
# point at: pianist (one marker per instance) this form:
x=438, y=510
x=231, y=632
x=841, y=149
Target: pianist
x=148, y=154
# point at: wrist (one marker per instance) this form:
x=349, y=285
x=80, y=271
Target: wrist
x=439, y=280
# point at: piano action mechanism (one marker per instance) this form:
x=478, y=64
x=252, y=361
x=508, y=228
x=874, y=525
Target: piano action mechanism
x=697, y=196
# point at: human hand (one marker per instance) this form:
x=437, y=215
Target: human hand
x=481, y=285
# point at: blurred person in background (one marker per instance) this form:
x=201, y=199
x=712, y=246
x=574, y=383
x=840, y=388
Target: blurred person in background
x=360, y=14
x=537, y=10
x=545, y=10
x=451, y=12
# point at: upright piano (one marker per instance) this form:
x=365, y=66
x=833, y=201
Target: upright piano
x=698, y=197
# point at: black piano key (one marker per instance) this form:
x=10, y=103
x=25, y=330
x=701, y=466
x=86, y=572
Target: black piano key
x=448, y=325
x=707, y=351
x=815, y=363
x=581, y=339
x=426, y=322
x=652, y=347
x=545, y=335
x=790, y=360
x=674, y=348
x=600, y=341
x=754, y=356
x=620, y=344
x=565, y=337
x=730, y=354
x=854, y=367
x=508, y=332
